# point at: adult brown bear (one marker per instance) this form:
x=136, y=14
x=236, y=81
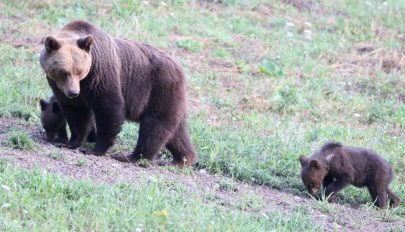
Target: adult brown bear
x=91, y=72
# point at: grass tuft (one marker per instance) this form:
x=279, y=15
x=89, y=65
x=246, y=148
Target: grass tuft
x=20, y=140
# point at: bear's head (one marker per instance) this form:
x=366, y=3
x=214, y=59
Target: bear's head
x=52, y=118
x=67, y=61
x=312, y=174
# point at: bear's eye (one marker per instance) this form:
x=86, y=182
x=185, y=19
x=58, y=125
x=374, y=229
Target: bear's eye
x=63, y=73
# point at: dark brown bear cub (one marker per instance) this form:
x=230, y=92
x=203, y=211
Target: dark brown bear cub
x=94, y=74
x=53, y=120
x=336, y=166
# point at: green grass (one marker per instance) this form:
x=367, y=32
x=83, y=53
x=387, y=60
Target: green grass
x=36, y=200
x=81, y=163
x=55, y=154
x=193, y=46
x=263, y=92
x=20, y=140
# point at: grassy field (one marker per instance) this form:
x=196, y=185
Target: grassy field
x=267, y=82
x=44, y=202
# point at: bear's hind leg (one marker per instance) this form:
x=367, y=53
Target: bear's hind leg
x=181, y=147
x=378, y=195
x=152, y=136
x=394, y=199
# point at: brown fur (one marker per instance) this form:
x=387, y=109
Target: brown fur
x=115, y=79
x=54, y=122
x=336, y=166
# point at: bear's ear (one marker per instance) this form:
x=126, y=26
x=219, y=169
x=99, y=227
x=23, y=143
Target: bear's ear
x=51, y=44
x=314, y=164
x=43, y=104
x=303, y=160
x=55, y=107
x=85, y=43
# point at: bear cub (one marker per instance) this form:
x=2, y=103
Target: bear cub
x=54, y=122
x=335, y=167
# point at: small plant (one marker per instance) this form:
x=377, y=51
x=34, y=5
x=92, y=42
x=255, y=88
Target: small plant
x=22, y=112
x=389, y=215
x=250, y=201
x=3, y=165
x=222, y=53
x=55, y=154
x=145, y=163
x=242, y=66
x=287, y=96
x=190, y=45
x=184, y=170
x=227, y=185
x=81, y=163
x=20, y=140
x=126, y=8
x=376, y=113
x=323, y=205
x=271, y=68
x=400, y=116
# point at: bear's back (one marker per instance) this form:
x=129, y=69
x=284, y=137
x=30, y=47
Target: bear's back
x=366, y=164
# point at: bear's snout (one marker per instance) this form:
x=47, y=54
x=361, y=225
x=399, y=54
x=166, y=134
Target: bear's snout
x=313, y=191
x=72, y=94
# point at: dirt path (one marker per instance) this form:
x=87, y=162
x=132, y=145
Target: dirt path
x=226, y=191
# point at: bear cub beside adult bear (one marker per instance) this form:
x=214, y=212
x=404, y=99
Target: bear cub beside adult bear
x=54, y=122
x=336, y=166
x=93, y=73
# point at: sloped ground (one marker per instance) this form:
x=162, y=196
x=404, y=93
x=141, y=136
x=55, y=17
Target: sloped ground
x=223, y=190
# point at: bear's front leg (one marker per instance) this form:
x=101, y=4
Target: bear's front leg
x=62, y=135
x=336, y=186
x=110, y=115
x=327, y=181
x=78, y=119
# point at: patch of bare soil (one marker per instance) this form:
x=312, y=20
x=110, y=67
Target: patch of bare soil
x=75, y=165
x=366, y=58
x=13, y=25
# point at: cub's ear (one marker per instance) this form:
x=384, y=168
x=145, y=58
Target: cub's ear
x=85, y=43
x=315, y=164
x=43, y=104
x=55, y=107
x=303, y=160
x=51, y=44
